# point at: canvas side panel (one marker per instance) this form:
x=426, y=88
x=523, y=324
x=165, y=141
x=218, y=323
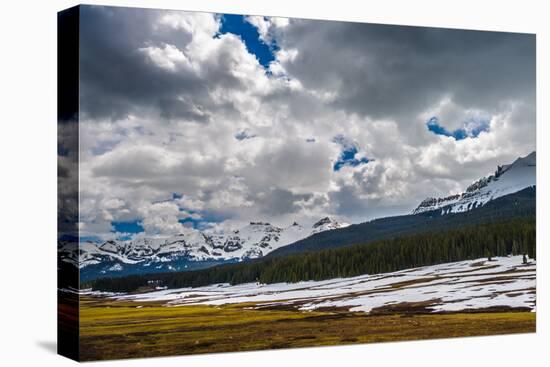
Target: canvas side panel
x=67, y=183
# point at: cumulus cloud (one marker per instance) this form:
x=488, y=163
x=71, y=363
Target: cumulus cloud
x=180, y=123
x=162, y=218
x=268, y=27
x=390, y=71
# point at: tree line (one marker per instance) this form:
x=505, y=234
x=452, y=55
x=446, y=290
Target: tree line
x=521, y=204
x=512, y=237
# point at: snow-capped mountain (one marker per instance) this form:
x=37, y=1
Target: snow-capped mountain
x=327, y=224
x=507, y=179
x=172, y=253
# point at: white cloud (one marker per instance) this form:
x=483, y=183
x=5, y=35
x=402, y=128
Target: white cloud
x=176, y=134
x=161, y=218
x=166, y=57
x=200, y=25
x=267, y=27
x=262, y=24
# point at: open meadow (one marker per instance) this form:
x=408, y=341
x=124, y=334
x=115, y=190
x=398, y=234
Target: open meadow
x=468, y=298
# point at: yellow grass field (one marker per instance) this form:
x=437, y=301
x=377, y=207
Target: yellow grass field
x=123, y=329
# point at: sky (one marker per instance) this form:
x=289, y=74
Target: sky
x=195, y=120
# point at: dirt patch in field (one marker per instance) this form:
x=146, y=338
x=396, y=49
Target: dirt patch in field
x=410, y=282
x=492, y=309
x=479, y=263
x=422, y=307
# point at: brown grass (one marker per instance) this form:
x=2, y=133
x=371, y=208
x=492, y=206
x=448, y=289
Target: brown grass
x=117, y=329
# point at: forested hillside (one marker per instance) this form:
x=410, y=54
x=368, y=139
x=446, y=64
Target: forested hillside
x=502, y=238
x=521, y=204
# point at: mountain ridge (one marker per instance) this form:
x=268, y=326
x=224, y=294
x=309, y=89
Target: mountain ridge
x=515, y=205
x=507, y=179
x=188, y=250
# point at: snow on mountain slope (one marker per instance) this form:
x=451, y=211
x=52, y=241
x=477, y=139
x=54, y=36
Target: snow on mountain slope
x=506, y=180
x=327, y=224
x=252, y=241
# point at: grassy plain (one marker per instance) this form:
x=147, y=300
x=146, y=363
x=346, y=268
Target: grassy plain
x=125, y=329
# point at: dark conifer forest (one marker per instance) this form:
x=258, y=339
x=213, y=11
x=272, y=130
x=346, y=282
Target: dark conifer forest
x=509, y=237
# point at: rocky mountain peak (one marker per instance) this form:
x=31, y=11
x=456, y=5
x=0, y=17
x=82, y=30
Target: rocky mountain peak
x=323, y=221
x=507, y=179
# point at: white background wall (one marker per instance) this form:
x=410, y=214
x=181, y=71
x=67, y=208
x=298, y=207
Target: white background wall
x=28, y=182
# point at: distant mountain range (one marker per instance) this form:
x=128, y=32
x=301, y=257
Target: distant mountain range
x=508, y=193
x=189, y=250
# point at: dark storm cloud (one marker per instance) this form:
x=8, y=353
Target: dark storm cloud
x=376, y=70
x=117, y=79
x=279, y=201
x=347, y=202
x=265, y=147
x=390, y=71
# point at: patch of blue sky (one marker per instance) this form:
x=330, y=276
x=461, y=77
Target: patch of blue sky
x=237, y=25
x=133, y=226
x=348, y=156
x=471, y=128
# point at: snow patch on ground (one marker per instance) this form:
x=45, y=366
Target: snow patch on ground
x=465, y=285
